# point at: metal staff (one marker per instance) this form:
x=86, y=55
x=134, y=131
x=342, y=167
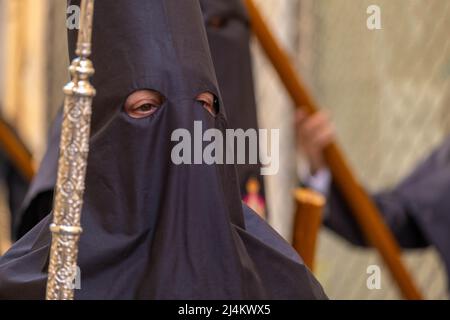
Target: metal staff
x=363, y=208
x=74, y=147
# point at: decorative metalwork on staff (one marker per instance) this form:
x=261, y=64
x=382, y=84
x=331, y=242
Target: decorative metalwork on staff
x=74, y=147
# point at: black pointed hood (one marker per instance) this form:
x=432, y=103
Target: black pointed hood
x=154, y=229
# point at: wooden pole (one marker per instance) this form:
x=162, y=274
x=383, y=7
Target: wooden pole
x=307, y=222
x=363, y=209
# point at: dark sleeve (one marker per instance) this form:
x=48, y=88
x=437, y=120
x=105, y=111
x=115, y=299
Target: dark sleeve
x=395, y=211
x=417, y=210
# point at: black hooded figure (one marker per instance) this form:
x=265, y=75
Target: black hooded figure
x=153, y=229
x=228, y=32
x=228, y=29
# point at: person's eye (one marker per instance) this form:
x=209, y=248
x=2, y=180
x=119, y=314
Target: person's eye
x=209, y=102
x=146, y=107
x=143, y=110
x=143, y=103
x=209, y=107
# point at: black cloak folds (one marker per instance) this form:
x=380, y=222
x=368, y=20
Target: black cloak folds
x=153, y=229
x=227, y=26
x=417, y=210
x=38, y=201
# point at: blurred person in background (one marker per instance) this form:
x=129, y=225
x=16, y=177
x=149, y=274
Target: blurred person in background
x=228, y=29
x=417, y=209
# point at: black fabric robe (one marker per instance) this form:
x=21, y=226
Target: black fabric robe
x=38, y=201
x=153, y=229
x=417, y=210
